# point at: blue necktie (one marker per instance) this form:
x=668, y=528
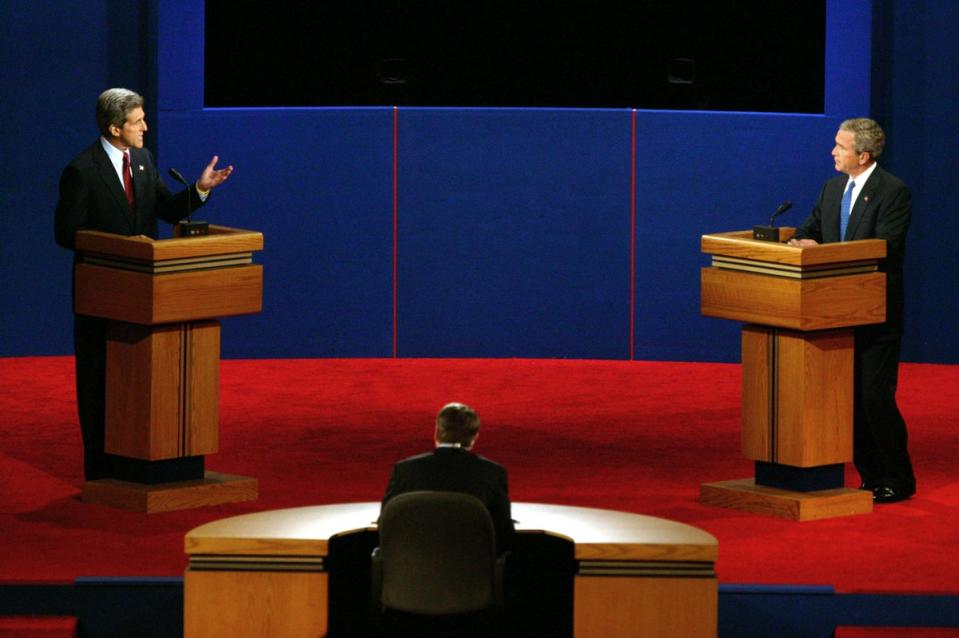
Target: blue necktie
x=844, y=210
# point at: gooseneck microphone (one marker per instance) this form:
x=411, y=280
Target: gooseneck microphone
x=770, y=232
x=175, y=174
x=189, y=228
x=779, y=211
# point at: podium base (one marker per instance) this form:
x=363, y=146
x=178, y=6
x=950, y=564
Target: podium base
x=214, y=489
x=744, y=494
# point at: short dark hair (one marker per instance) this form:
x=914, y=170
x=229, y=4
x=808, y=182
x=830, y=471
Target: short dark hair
x=113, y=105
x=457, y=423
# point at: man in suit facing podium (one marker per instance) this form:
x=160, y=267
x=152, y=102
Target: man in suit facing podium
x=113, y=186
x=452, y=467
x=867, y=202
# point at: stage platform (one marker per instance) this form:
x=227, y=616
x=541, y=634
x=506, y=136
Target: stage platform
x=633, y=436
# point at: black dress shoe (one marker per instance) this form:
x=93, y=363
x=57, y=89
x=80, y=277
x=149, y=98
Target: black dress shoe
x=891, y=494
x=869, y=487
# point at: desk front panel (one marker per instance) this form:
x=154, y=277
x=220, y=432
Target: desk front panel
x=255, y=604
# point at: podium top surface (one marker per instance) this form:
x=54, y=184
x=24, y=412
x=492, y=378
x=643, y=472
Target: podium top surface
x=221, y=240
x=741, y=244
x=598, y=534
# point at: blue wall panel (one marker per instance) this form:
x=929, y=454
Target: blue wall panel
x=699, y=173
x=514, y=233
x=179, y=28
x=918, y=104
x=54, y=61
x=318, y=184
x=849, y=27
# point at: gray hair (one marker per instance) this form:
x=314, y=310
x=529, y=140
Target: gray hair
x=868, y=136
x=113, y=105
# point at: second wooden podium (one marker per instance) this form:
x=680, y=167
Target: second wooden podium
x=162, y=298
x=799, y=306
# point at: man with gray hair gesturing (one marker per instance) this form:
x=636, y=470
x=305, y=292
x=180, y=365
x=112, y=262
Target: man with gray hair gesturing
x=867, y=202
x=113, y=186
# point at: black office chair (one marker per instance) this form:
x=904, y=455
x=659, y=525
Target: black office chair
x=437, y=555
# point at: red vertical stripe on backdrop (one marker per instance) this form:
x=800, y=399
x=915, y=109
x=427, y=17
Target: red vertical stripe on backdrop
x=395, y=220
x=632, y=241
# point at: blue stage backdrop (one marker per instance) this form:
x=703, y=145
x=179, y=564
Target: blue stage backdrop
x=463, y=232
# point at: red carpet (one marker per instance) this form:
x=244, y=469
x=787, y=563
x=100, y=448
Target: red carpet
x=634, y=436
x=38, y=627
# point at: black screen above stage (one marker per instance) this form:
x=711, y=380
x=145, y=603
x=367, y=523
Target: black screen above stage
x=745, y=55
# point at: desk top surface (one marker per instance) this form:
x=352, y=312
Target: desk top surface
x=598, y=534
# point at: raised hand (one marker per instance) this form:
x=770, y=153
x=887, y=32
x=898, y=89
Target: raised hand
x=211, y=177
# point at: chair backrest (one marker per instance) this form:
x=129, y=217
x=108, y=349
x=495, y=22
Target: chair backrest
x=437, y=554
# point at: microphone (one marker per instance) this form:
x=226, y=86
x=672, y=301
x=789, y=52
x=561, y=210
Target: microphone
x=175, y=174
x=770, y=232
x=779, y=211
x=189, y=228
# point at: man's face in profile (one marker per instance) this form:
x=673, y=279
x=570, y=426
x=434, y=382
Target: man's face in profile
x=847, y=160
x=131, y=134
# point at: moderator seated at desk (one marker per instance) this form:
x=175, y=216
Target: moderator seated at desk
x=265, y=574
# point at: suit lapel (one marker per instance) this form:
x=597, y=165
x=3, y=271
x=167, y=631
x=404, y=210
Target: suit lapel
x=139, y=176
x=830, y=212
x=109, y=176
x=865, y=199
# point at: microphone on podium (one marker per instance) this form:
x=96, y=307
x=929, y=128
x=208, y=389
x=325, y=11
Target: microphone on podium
x=189, y=228
x=770, y=232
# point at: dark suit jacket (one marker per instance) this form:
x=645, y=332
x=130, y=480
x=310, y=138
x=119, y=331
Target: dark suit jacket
x=92, y=198
x=448, y=469
x=883, y=211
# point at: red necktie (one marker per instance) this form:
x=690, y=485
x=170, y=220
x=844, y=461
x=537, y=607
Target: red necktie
x=128, y=179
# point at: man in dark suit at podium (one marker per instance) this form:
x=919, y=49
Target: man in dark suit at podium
x=113, y=186
x=452, y=467
x=867, y=202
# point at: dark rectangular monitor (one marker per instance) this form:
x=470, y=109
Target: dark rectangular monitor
x=741, y=55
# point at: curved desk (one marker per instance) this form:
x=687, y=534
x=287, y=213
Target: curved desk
x=264, y=574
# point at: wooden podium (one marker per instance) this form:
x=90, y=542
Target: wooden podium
x=163, y=359
x=800, y=306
